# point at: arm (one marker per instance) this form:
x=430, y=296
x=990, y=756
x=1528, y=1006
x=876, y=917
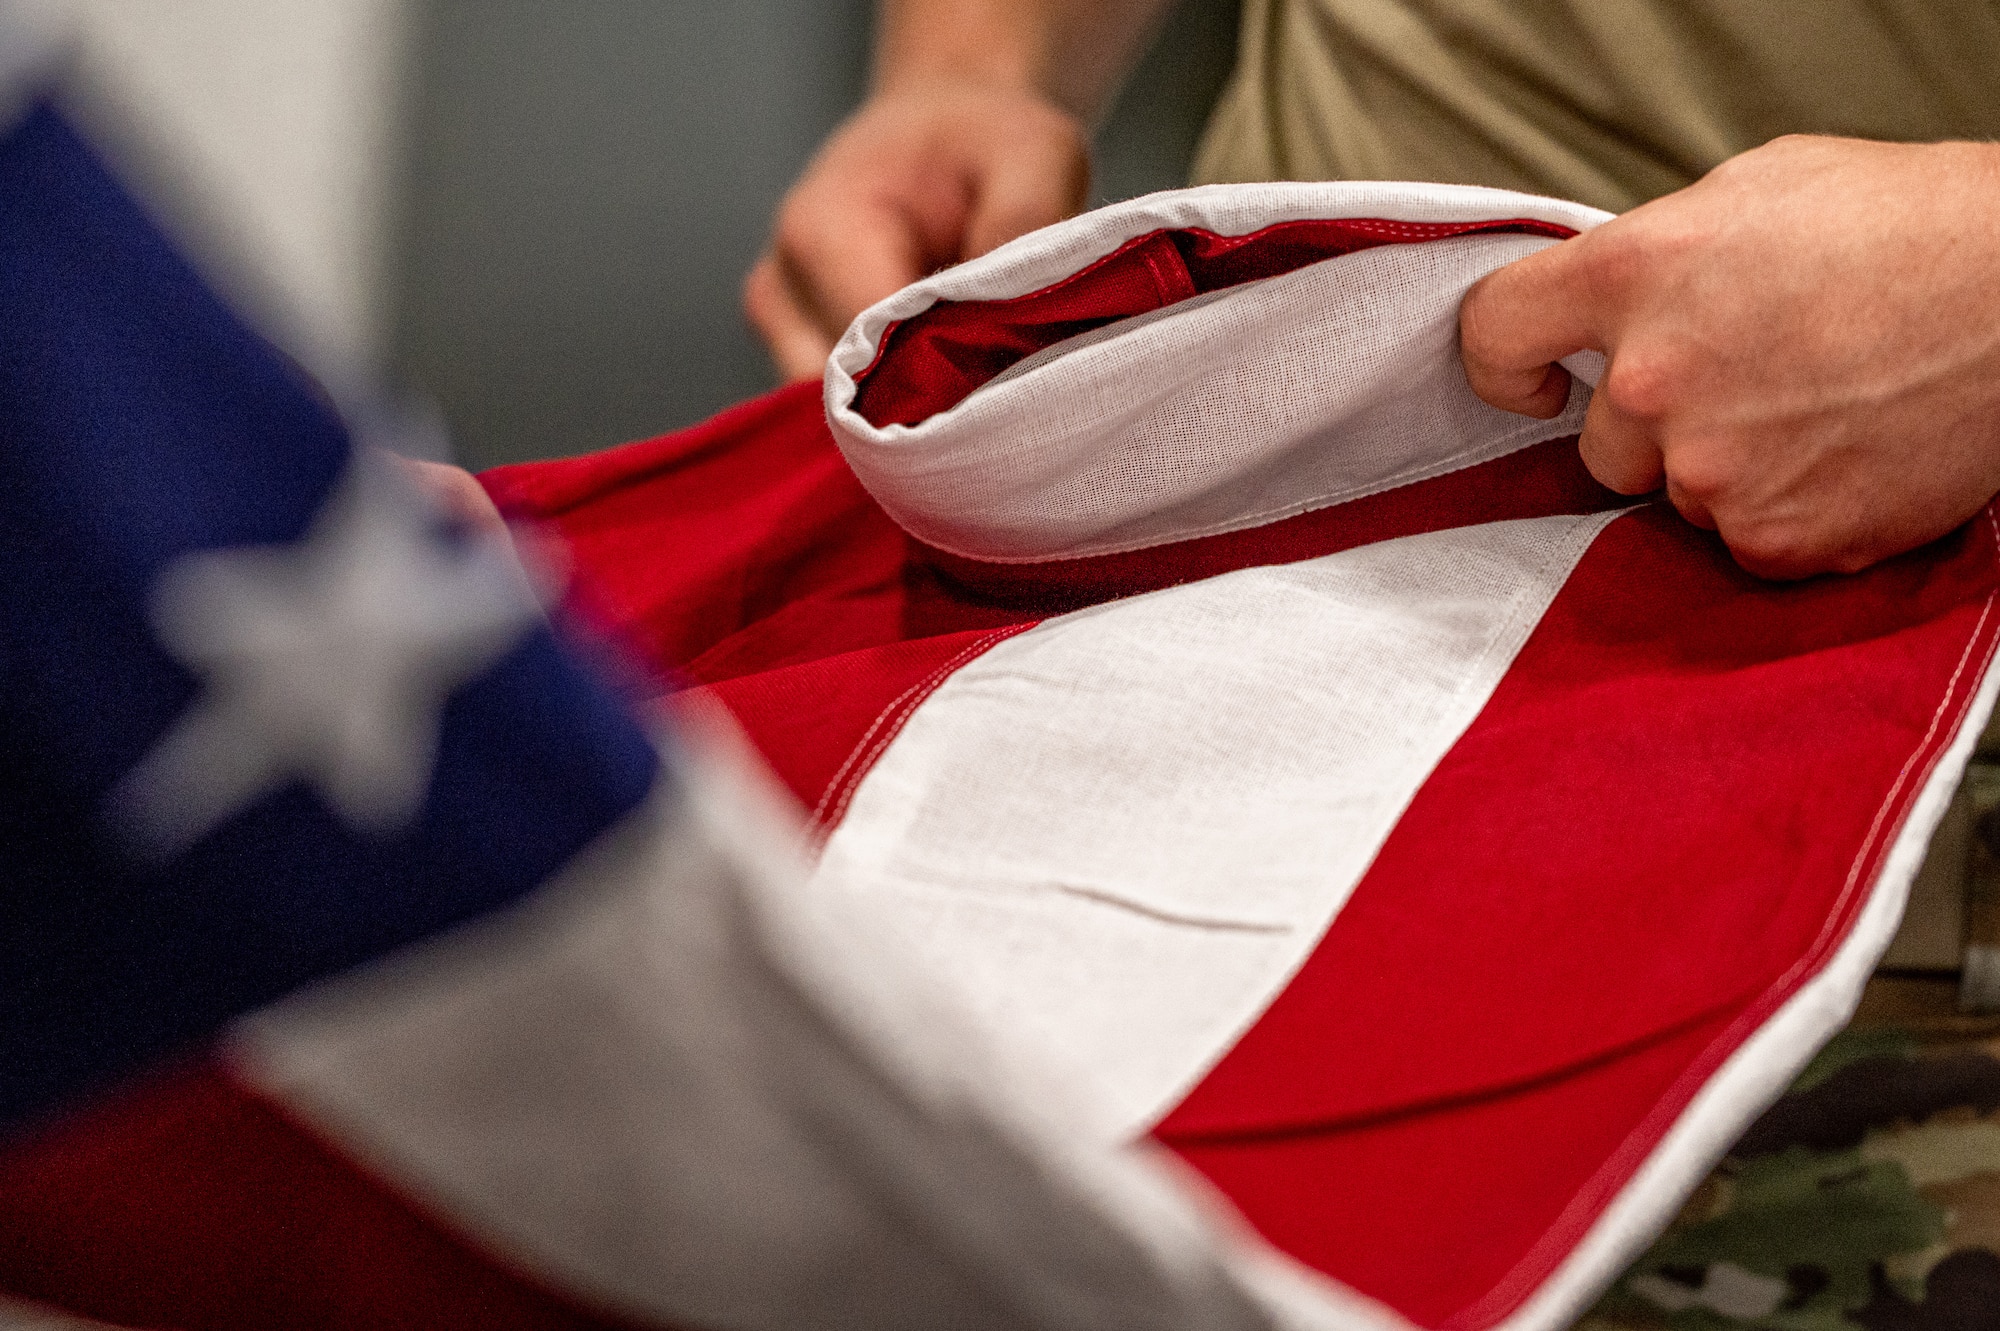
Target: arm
x=1071, y=53
x=974, y=132
x=1804, y=347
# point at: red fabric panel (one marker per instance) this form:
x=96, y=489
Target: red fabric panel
x=1620, y=847
x=679, y=542
x=188, y=1201
x=821, y=724
x=740, y=544
x=1546, y=479
x=1405, y=1197
x=932, y=361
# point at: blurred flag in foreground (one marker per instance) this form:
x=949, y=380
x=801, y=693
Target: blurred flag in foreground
x=363, y=964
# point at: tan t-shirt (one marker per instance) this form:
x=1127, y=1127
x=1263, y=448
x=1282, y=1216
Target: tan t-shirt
x=1608, y=101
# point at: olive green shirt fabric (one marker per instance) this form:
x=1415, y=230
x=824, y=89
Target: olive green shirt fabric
x=1610, y=102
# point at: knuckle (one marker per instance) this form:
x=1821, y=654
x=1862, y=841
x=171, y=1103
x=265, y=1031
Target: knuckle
x=1616, y=254
x=1618, y=464
x=795, y=230
x=1701, y=475
x=1049, y=121
x=1775, y=550
x=1478, y=334
x=983, y=125
x=1045, y=145
x=1753, y=160
x=1729, y=169
x=1642, y=383
x=1636, y=251
x=1786, y=153
x=805, y=244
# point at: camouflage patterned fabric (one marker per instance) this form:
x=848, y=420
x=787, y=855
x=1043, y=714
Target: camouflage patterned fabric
x=1868, y=1199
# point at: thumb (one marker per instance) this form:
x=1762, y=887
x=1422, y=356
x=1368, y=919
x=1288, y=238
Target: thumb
x=1518, y=321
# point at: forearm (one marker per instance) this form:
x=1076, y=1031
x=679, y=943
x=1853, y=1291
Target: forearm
x=1073, y=53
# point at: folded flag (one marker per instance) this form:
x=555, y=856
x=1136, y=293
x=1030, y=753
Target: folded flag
x=364, y=964
x=1442, y=856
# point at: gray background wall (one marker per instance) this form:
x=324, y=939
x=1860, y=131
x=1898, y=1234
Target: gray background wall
x=265, y=134
x=586, y=184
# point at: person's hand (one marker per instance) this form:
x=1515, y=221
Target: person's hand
x=924, y=175
x=454, y=491
x=1804, y=347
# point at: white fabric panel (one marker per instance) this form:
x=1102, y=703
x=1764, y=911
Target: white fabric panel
x=677, y=1086
x=1767, y=1063
x=1263, y=732
x=1226, y=411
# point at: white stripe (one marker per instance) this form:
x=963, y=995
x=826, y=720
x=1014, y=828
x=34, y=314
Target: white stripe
x=1226, y=411
x=677, y=1086
x=1125, y=829
x=1297, y=392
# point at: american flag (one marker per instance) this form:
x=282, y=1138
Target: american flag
x=1232, y=832
x=1443, y=857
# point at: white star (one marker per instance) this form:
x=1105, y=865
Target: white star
x=327, y=660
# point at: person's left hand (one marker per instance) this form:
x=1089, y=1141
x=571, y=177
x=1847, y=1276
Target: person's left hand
x=1804, y=347
x=455, y=491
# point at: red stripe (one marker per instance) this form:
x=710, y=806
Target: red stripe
x=682, y=542
x=188, y=1201
x=740, y=545
x=1417, y=1194
x=1659, y=827
x=822, y=724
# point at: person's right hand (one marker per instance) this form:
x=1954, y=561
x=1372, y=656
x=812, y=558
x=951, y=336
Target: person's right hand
x=1804, y=349
x=922, y=176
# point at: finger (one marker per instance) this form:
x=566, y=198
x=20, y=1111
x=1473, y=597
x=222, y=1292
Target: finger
x=1620, y=450
x=1689, y=507
x=798, y=345
x=1025, y=188
x=840, y=258
x=1519, y=320
x=1546, y=399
